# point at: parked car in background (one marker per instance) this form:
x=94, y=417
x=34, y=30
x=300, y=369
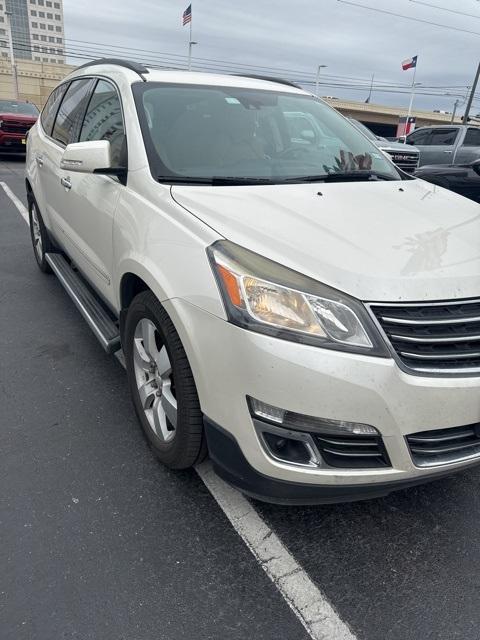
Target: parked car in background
x=16, y=118
x=463, y=179
x=407, y=159
x=447, y=144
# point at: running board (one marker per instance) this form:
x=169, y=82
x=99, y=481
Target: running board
x=86, y=302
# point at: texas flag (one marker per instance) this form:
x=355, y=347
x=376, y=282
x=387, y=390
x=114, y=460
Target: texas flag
x=410, y=63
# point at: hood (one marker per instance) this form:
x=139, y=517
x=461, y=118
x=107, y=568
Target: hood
x=18, y=117
x=377, y=241
x=386, y=145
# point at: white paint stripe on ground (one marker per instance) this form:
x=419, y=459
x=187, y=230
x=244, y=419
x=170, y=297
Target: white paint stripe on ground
x=316, y=614
x=16, y=201
x=307, y=602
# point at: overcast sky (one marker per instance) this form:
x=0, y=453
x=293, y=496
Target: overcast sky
x=298, y=35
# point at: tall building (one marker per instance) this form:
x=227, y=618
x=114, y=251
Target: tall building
x=37, y=30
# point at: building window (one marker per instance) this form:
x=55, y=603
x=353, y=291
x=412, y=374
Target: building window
x=59, y=29
x=36, y=47
x=33, y=12
x=42, y=26
x=59, y=40
x=41, y=14
x=43, y=38
x=50, y=16
x=60, y=52
x=58, y=17
x=35, y=25
x=37, y=59
x=56, y=5
x=2, y=32
x=50, y=27
x=49, y=4
x=41, y=3
x=35, y=36
x=2, y=19
x=51, y=39
x=53, y=60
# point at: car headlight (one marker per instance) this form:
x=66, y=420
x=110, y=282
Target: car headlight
x=264, y=296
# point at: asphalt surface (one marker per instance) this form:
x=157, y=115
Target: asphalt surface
x=97, y=540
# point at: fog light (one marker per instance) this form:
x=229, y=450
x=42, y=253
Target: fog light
x=287, y=449
x=301, y=422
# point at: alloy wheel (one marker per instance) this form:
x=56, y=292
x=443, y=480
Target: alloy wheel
x=154, y=378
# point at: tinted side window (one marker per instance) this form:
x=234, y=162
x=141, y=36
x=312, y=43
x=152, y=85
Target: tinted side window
x=472, y=138
x=71, y=110
x=443, y=137
x=50, y=109
x=104, y=121
x=419, y=137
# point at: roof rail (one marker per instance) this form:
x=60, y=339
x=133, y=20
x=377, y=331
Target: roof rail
x=133, y=66
x=289, y=83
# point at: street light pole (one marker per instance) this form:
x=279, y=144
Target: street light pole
x=12, y=56
x=456, y=104
x=317, y=81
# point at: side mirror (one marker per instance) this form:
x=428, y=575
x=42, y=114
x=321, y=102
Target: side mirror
x=90, y=157
x=476, y=167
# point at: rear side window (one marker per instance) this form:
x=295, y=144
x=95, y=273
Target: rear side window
x=443, y=137
x=71, y=111
x=50, y=110
x=472, y=138
x=104, y=121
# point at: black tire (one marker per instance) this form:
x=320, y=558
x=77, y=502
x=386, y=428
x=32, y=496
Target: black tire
x=188, y=444
x=45, y=245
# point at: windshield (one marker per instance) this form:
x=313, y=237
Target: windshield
x=361, y=127
x=12, y=106
x=209, y=132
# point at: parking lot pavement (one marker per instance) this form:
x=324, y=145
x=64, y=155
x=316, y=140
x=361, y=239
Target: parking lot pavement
x=99, y=541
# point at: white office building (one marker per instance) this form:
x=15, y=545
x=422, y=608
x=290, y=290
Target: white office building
x=37, y=30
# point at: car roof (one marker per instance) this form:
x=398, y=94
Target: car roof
x=134, y=71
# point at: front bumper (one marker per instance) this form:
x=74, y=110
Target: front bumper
x=230, y=364
x=13, y=141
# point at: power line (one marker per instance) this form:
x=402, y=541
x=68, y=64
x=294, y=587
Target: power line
x=435, y=6
x=399, y=15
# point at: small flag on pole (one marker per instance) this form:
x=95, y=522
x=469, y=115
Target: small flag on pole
x=410, y=63
x=187, y=15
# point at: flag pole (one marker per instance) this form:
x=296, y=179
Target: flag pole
x=190, y=43
x=412, y=95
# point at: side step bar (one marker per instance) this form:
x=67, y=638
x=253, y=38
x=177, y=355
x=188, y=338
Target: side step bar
x=86, y=302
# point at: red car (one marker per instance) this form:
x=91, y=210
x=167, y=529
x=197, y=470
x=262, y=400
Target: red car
x=16, y=118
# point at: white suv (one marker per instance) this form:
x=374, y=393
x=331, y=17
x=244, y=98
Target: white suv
x=290, y=303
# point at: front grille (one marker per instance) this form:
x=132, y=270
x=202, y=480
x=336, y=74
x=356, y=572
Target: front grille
x=408, y=162
x=352, y=451
x=15, y=127
x=441, y=337
x=431, y=448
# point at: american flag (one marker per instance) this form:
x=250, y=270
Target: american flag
x=187, y=15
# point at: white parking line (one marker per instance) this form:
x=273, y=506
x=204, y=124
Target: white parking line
x=316, y=614
x=16, y=201
x=307, y=602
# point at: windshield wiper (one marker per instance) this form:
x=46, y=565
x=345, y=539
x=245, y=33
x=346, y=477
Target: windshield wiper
x=347, y=176
x=214, y=180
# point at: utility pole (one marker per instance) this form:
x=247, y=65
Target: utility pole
x=472, y=95
x=190, y=46
x=456, y=104
x=371, y=89
x=317, y=80
x=12, y=56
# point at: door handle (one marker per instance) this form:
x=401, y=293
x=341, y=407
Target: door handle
x=447, y=151
x=66, y=183
x=39, y=160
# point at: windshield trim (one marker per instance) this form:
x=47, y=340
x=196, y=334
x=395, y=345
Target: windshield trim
x=158, y=168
